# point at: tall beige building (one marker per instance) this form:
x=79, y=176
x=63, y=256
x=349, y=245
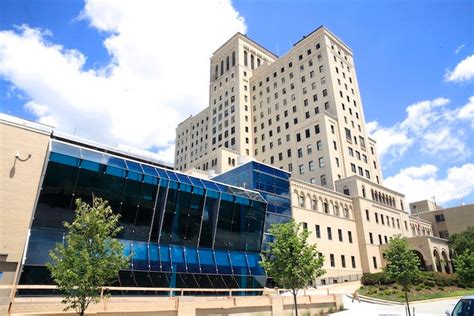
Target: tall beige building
x=301, y=112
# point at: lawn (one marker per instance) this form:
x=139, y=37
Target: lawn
x=420, y=292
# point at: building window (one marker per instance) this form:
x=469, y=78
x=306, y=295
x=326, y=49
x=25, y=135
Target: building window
x=371, y=238
x=321, y=162
x=343, y=261
x=374, y=259
x=439, y=218
x=301, y=168
x=318, y=231
x=331, y=258
x=339, y=233
x=444, y=234
x=301, y=200
x=323, y=180
x=345, y=190
x=311, y=165
x=305, y=226
x=367, y=215
x=329, y=233
x=353, y=260
x=319, y=145
x=380, y=239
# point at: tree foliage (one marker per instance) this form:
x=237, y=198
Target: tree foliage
x=89, y=258
x=402, y=265
x=465, y=268
x=290, y=261
x=459, y=243
x=462, y=247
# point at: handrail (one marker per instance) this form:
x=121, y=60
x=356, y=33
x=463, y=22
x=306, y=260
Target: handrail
x=148, y=289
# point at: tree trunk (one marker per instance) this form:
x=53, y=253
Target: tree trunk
x=408, y=305
x=296, y=304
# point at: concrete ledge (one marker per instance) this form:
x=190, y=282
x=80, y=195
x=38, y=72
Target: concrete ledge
x=183, y=306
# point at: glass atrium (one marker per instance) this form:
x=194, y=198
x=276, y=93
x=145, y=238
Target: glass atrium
x=180, y=231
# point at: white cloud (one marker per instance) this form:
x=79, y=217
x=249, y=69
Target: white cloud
x=158, y=73
x=467, y=111
x=393, y=141
x=420, y=183
x=459, y=48
x=431, y=125
x=464, y=71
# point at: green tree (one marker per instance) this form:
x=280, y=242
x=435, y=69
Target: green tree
x=465, y=267
x=462, y=249
x=290, y=260
x=402, y=265
x=459, y=243
x=90, y=258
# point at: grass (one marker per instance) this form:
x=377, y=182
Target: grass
x=417, y=293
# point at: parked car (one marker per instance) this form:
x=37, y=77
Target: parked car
x=464, y=307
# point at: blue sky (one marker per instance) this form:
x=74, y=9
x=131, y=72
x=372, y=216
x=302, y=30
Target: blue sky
x=77, y=65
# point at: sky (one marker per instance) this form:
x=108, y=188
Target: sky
x=125, y=73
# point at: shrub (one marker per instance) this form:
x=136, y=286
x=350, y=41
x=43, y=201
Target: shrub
x=441, y=279
x=429, y=283
x=419, y=288
x=378, y=278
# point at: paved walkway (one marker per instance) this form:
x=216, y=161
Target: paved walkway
x=429, y=308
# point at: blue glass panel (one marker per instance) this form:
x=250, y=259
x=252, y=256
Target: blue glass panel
x=154, y=257
x=177, y=258
x=266, y=169
x=65, y=149
x=182, y=178
x=116, y=162
x=40, y=243
x=184, y=187
x=165, y=258
x=239, y=263
x=253, y=260
x=116, y=171
x=134, y=166
x=162, y=173
x=149, y=170
x=221, y=187
x=150, y=179
x=192, y=261
x=93, y=156
x=134, y=176
x=242, y=200
x=140, y=255
x=223, y=262
x=227, y=197
x=196, y=181
x=172, y=175
x=206, y=258
x=89, y=165
x=210, y=185
x=64, y=160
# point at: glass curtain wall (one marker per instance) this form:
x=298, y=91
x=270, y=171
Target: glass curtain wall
x=272, y=183
x=181, y=231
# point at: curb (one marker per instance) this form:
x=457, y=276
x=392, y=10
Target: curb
x=376, y=300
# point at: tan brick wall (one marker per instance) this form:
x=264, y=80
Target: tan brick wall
x=19, y=183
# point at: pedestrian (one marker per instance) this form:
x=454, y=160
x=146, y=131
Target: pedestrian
x=355, y=296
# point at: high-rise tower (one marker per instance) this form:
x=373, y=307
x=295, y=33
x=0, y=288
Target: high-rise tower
x=301, y=112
